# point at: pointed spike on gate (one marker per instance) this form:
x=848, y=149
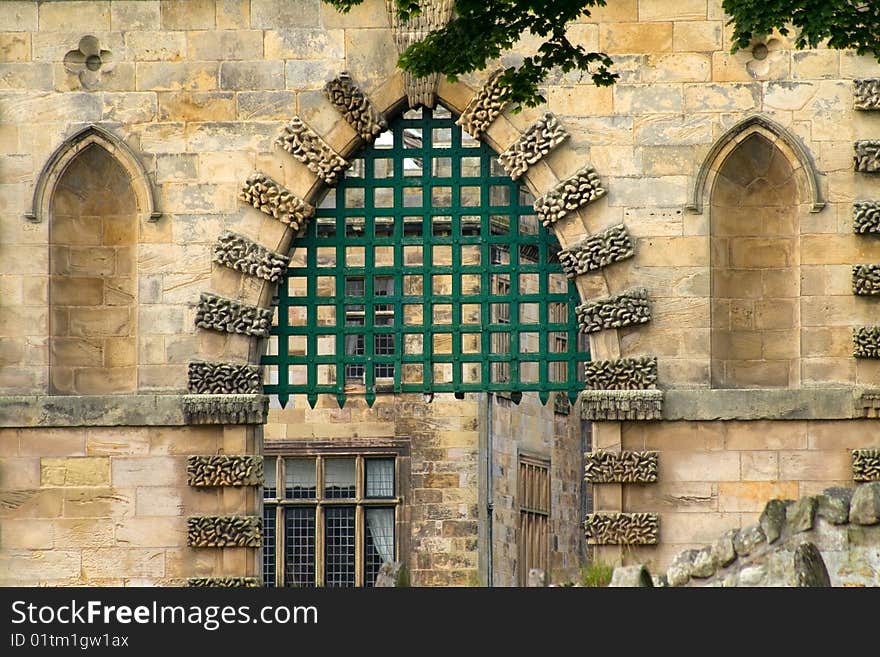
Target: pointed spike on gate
x=313, y=399
x=340, y=399
x=371, y=398
x=544, y=396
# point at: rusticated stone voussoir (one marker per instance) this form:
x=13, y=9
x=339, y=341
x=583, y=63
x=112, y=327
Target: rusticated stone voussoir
x=866, y=342
x=626, y=309
x=224, y=531
x=622, y=528
x=275, y=200
x=225, y=409
x=597, y=251
x=627, y=467
x=224, y=470
x=582, y=188
x=866, y=217
x=305, y=145
x=224, y=378
x=866, y=464
x=867, y=156
x=619, y=405
x=867, y=94
x=621, y=374
x=538, y=140
x=483, y=108
x=246, y=256
x=229, y=316
x=866, y=280
x=224, y=582
x=355, y=106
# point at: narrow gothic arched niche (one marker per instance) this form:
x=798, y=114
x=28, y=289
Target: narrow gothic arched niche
x=755, y=268
x=92, y=289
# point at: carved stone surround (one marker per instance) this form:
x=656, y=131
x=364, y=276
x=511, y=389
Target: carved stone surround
x=538, y=140
x=866, y=217
x=582, y=188
x=483, y=108
x=620, y=467
x=246, y=256
x=356, y=107
x=229, y=316
x=624, y=309
x=224, y=531
x=224, y=378
x=867, y=94
x=225, y=409
x=273, y=199
x=597, y=251
x=866, y=342
x=867, y=156
x=622, y=528
x=621, y=374
x=305, y=145
x=224, y=470
x=619, y=405
x=866, y=464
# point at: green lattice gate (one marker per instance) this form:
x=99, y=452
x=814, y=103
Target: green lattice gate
x=426, y=271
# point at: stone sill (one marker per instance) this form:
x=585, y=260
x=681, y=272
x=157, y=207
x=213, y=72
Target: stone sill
x=763, y=404
x=157, y=410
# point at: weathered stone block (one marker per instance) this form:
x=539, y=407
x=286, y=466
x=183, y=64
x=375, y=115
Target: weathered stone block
x=679, y=571
x=833, y=505
x=724, y=550
x=75, y=471
x=225, y=45
x=865, y=506
x=800, y=515
x=597, y=251
x=631, y=576
x=225, y=531
x=239, y=76
x=772, y=519
x=177, y=76
x=748, y=539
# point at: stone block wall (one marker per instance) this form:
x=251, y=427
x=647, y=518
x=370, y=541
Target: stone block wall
x=200, y=90
x=108, y=506
x=716, y=476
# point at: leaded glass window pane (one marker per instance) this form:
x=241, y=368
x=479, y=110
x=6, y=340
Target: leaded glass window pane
x=339, y=478
x=299, y=475
x=379, y=475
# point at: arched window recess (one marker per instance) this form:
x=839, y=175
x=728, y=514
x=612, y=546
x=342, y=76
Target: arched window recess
x=73, y=146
